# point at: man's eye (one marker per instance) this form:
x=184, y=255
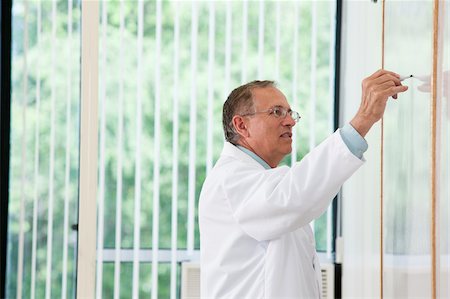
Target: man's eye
x=277, y=112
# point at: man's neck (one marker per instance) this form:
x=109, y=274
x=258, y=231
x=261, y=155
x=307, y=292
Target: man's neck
x=248, y=148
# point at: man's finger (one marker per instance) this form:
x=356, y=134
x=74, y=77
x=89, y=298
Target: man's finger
x=386, y=78
x=381, y=72
x=376, y=74
x=394, y=90
x=383, y=86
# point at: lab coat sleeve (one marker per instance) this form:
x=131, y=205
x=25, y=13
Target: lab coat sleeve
x=269, y=203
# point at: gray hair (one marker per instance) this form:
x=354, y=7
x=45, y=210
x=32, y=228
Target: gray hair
x=239, y=102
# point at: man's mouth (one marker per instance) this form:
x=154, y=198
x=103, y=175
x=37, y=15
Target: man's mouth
x=286, y=135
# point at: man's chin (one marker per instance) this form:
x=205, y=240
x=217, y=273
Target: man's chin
x=288, y=150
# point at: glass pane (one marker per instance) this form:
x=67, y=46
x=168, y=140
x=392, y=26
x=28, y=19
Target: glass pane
x=108, y=280
x=444, y=142
x=44, y=149
x=407, y=152
x=145, y=280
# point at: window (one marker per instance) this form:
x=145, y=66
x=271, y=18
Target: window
x=165, y=69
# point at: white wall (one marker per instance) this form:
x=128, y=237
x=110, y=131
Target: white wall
x=405, y=277
x=361, y=56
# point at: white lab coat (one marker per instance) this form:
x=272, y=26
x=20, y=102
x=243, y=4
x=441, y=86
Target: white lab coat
x=255, y=238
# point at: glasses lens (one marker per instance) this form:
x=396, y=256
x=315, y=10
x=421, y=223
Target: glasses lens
x=295, y=116
x=278, y=112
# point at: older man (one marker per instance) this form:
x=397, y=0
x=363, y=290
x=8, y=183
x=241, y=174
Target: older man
x=254, y=217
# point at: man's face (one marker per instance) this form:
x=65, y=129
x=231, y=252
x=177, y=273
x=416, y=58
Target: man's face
x=270, y=137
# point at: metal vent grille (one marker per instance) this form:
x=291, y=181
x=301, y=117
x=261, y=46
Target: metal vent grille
x=190, y=281
x=327, y=281
x=324, y=284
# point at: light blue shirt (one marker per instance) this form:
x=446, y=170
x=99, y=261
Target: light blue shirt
x=354, y=141
x=254, y=156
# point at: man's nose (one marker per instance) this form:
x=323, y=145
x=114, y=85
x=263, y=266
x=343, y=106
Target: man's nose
x=289, y=121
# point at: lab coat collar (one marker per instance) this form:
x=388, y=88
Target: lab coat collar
x=254, y=156
x=231, y=150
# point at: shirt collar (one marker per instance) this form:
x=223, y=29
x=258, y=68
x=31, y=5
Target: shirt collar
x=254, y=156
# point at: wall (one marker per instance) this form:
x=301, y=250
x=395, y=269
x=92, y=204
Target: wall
x=407, y=270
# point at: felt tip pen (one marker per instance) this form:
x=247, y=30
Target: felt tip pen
x=405, y=77
x=421, y=78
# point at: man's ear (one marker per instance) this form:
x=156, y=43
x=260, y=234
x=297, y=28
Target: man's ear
x=240, y=125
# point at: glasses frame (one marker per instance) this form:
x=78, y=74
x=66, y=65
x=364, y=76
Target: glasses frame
x=284, y=112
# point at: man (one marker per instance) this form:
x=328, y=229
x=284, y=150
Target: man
x=254, y=217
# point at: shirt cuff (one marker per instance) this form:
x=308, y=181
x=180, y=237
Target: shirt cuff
x=354, y=141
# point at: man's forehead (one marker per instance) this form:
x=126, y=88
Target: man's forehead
x=267, y=97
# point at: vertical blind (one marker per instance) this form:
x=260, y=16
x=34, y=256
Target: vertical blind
x=165, y=69
x=44, y=149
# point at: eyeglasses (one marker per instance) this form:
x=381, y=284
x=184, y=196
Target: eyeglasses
x=279, y=112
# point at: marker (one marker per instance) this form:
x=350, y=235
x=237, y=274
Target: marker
x=405, y=77
x=421, y=78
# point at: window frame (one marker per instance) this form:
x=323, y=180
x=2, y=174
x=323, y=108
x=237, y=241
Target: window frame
x=337, y=202
x=5, y=123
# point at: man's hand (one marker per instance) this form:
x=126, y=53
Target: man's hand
x=376, y=90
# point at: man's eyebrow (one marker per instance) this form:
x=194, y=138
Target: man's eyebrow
x=280, y=106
